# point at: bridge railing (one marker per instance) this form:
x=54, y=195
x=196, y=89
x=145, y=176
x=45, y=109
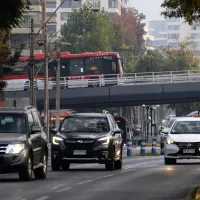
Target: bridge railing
x=110, y=80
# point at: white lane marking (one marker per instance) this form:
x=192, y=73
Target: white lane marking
x=108, y=175
x=84, y=182
x=64, y=189
x=56, y=187
x=104, y=176
x=150, y=166
x=43, y=198
x=130, y=170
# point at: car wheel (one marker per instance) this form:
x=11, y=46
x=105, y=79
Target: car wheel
x=170, y=161
x=26, y=172
x=65, y=166
x=41, y=173
x=111, y=164
x=118, y=163
x=55, y=164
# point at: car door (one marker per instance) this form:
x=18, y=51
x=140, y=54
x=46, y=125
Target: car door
x=117, y=139
x=34, y=140
x=40, y=142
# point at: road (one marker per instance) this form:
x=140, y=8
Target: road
x=141, y=178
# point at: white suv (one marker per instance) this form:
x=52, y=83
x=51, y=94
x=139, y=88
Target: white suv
x=183, y=140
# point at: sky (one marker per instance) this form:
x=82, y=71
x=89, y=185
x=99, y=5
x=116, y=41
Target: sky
x=150, y=8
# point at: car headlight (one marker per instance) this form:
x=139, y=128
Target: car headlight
x=104, y=140
x=57, y=140
x=169, y=141
x=14, y=148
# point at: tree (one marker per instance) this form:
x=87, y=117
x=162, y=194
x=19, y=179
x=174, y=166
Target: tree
x=7, y=57
x=132, y=28
x=91, y=31
x=11, y=12
x=168, y=59
x=187, y=9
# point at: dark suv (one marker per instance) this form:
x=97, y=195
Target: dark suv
x=87, y=138
x=23, y=143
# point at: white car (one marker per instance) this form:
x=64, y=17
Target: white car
x=183, y=140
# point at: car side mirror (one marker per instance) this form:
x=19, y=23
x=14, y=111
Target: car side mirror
x=117, y=132
x=35, y=129
x=162, y=127
x=54, y=131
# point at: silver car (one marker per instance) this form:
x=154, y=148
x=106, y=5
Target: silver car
x=183, y=140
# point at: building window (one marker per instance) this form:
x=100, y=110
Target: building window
x=51, y=5
x=195, y=35
x=51, y=28
x=71, y=4
x=173, y=36
x=112, y=3
x=173, y=27
x=64, y=16
x=26, y=23
x=49, y=14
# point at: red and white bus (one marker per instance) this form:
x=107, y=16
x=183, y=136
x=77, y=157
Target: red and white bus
x=76, y=70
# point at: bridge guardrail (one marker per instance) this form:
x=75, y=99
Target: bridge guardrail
x=109, y=80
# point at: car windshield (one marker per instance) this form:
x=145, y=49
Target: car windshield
x=84, y=124
x=186, y=127
x=12, y=123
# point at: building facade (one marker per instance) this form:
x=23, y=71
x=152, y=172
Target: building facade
x=21, y=35
x=62, y=15
x=172, y=31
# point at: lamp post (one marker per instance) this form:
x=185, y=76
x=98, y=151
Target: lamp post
x=142, y=121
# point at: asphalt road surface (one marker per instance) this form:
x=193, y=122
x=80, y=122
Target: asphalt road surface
x=140, y=179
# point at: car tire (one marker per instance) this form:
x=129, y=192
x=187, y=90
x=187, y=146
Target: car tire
x=26, y=172
x=55, y=165
x=65, y=166
x=170, y=161
x=110, y=165
x=118, y=163
x=41, y=173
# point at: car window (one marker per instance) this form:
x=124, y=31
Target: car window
x=30, y=120
x=113, y=121
x=36, y=119
x=170, y=123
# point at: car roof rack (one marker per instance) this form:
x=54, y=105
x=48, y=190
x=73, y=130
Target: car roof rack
x=105, y=112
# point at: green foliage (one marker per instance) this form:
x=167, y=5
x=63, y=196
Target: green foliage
x=171, y=59
x=187, y=9
x=7, y=58
x=11, y=13
x=87, y=30
x=132, y=28
x=168, y=59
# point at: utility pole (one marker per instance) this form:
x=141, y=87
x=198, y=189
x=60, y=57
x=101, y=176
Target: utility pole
x=46, y=85
x=31, y=65
x=58, y=85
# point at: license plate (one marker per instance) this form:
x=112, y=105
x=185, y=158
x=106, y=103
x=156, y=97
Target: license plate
x=188, y=150
x=79, y=152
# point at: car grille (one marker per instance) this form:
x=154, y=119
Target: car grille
x=80, y=144
x=189, y=145
x=3, y=148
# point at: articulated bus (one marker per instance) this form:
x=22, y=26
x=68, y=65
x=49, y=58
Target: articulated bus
x=76, y=70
